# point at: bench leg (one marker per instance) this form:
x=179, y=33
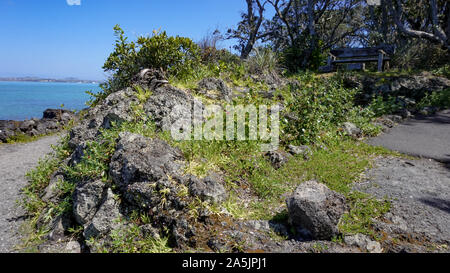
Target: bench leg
x=380, y=62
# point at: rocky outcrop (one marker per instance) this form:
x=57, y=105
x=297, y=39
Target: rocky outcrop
x=148, y=176
x=116, y=108
x=169, y=105
x=410, y=86
x=316, y=210
x=141, y=168
x=87, y=199
x=208, y=189
x=214, y=88
x=53, y=121
x=106, y=218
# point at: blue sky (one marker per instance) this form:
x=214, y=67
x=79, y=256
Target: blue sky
x=50, y=38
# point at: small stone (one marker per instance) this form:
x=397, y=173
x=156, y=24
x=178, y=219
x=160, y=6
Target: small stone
x=395, y=118
x=363, y=242
x=72, y=247
x=316, y=208
x=350, y=129
x=301, y=150
x=277, y=158
x=208, y=189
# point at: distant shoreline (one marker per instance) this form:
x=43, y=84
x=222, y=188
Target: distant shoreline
x=43, y=80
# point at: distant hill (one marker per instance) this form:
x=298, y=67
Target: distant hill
x=37, y=79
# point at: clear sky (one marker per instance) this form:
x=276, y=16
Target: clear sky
x=50, y=38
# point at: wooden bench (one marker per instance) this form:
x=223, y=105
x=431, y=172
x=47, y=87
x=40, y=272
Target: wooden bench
x=358, y=56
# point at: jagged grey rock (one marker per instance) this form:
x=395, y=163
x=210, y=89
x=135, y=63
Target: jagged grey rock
x=58, y=227
x=51, y=191
x=317, y=209
x=209, y=189
x=169, y=106
x=208, y=86
x=117, y=107
x=87, y=198
x=363, y=242
x=141, y=167
x=350, y=129
x=106, y=218
x=141, y=159
x=303, y=150
x=277, y=158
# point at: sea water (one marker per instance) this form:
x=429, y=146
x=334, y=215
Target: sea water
x=25, y=100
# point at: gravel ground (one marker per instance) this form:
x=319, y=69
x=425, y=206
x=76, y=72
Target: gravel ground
x=15, y=161
x=420, y=195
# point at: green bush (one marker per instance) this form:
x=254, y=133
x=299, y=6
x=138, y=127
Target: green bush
x=315, y=107
x=384, y=106
x=438, y=99
x=178, y=56
x=443, y=71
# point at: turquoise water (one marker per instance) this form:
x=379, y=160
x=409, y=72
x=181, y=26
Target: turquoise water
x=25, y=100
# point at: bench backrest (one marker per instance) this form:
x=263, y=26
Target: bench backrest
x=360, y=52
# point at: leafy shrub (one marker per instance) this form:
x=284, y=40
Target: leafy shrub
x=381, y=106
x=176, y=55
x=443, y=71
x=319, y=104
x=437, y=99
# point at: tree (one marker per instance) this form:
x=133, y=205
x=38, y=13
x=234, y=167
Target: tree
x=428, y=20
x=248, y=31
x=307, y=28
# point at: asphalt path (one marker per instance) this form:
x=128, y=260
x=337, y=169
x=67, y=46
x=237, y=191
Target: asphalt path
x=423, y=136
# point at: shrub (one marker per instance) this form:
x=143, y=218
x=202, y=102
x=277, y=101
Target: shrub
x=383, y=106
x=176, y=55
x=315, y=107
x=438, y=99
x=443, y=71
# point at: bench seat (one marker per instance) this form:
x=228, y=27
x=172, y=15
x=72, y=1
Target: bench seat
x=358, y=55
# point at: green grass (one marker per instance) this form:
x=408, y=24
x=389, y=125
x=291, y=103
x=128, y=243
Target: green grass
x=364, y=209
x=24, y=138
x=131, y=240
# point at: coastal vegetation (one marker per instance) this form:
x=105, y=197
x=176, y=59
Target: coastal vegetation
x=326, y=115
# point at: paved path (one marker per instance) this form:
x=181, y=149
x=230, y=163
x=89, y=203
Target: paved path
x=418, y=189
x=15, y=161
x=427, y=137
